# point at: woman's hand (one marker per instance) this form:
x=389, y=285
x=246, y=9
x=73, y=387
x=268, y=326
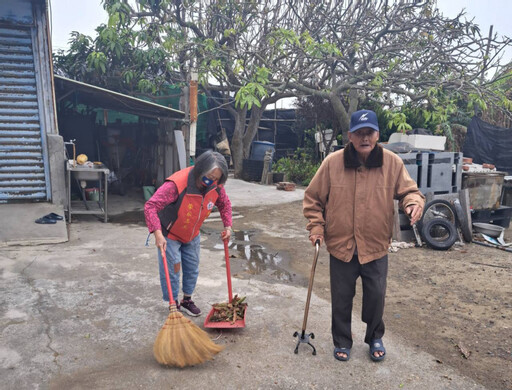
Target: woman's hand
x=160, y=242
x=226, y=233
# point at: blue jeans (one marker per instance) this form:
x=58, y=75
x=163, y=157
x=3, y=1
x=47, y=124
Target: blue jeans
x=186, y=254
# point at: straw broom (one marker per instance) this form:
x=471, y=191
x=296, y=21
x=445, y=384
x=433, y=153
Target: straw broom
x=180, y=342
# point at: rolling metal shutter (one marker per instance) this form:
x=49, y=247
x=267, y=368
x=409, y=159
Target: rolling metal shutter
x=22, y=169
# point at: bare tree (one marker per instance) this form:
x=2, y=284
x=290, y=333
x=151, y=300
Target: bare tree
x=346, y=51
x=391, y=52
x=231, y=46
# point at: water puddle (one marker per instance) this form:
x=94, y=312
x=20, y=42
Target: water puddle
x=249, y=257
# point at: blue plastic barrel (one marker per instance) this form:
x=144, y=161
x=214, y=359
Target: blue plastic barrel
x=259, y=148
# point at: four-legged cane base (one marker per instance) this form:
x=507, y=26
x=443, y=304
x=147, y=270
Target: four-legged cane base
x=304, y=338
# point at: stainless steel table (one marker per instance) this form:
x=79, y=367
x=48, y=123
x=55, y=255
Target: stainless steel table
x=84, y=206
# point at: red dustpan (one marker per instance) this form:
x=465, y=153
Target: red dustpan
x=239, y=323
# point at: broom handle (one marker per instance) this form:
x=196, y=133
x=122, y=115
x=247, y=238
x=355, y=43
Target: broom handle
x=228, y=270
x=310, y=286
x=168, y=280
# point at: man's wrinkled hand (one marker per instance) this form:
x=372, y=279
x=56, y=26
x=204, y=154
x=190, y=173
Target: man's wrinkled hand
x=314, y=237
x=414, y=212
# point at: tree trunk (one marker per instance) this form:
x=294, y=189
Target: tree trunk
x=341, y=114
x=242, y=137
x=237, y=150
x=252, y=128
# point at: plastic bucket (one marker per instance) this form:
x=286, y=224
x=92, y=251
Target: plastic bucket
x=92, y=194
x=148, y=192
x=259, y=148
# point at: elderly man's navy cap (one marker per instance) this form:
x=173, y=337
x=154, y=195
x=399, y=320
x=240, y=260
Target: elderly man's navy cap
x=363, y=118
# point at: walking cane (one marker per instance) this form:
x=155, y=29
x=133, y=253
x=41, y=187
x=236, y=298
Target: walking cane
x=304, y=338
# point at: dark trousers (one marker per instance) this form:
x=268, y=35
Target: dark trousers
x=343, y=288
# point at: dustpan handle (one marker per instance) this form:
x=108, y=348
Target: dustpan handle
x=228, y=270
x=168, y=280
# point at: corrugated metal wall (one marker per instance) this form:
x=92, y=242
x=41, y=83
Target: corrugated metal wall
x=22, y=170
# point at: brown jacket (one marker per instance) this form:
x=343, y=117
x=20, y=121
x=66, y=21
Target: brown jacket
x=351, y=204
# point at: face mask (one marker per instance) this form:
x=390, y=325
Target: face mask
x=206, y=181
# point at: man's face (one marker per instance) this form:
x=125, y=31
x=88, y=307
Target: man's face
x=364, y=140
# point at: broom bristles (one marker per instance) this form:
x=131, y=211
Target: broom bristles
x=182, y=343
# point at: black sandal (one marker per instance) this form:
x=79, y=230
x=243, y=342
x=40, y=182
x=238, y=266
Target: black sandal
x=54, y=216
x=376, y=345
x=346, y=351
x=45, y=220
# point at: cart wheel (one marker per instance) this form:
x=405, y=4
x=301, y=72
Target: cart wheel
x=463, y=221
x=295, y=334
x=312, y=336
x=439, y=233
x=438, y=208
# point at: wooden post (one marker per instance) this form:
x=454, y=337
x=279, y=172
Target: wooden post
x=275, y=124
x=184, y=106
x=193, y=111
x=266, y=165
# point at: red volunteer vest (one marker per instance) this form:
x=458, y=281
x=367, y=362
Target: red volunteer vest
x=192, y=207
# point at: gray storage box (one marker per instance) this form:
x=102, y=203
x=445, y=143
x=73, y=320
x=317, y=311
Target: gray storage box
x=435, y=172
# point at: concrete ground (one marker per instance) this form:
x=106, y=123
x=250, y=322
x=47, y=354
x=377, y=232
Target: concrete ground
x=18, y=225
x=84, y=315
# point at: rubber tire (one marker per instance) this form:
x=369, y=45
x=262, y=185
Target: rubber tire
x=462, y=220
x=434, y=243
x=430, y=204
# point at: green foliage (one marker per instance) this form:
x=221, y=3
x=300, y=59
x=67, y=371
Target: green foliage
x=399, y=120
x=416, y=67
x=129, y=54
x=282, y=37
x=250, y=94
x=507, y=103
x=378, y=80
x=97, y=61
x=475, y=99
x=299, y=169
x=146, y=86
x=262, y=75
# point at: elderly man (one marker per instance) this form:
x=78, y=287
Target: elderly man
x=349, y=205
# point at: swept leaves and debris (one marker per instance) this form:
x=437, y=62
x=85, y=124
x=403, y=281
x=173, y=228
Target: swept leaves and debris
x=229, y=312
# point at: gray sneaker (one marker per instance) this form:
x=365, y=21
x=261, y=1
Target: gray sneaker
x=187, y=306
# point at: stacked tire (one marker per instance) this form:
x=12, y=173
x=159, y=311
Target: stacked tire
x=438, y=224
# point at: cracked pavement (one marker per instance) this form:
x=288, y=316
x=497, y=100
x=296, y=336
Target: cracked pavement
x=84, y=315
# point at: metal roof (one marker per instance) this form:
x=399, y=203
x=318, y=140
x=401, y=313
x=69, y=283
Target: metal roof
x=104, y=98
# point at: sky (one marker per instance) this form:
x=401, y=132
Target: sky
x=85, y=15
x=74, y=15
